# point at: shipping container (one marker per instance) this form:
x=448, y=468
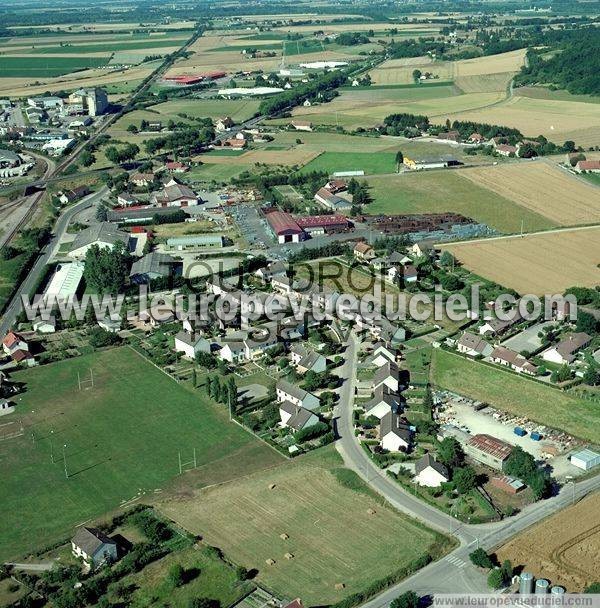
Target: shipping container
x=520, y=432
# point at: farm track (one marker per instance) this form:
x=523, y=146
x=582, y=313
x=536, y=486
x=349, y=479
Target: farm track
x=558, y=555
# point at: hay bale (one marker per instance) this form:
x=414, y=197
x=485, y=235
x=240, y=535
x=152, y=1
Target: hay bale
x=340, y=586
x=283, y=536
x=272, y=486
x=371, y=511
x=270, y=562
x=288, y=556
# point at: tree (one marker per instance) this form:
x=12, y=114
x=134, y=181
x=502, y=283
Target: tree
x=204, y=602
x=102, y=213
x=176, y=575
x=106, y=268
x=587, y=322
x=207, y=360
x=465, y=479
x=446, y=259
x=591, y=376
x=417, y=75
x=399, y=160
x=409, y=599
x=520, y=463
x=593, y=588
x=241, y=573
x=480, y=558
x=450, y=452
x=86, y=158
x=496, y=579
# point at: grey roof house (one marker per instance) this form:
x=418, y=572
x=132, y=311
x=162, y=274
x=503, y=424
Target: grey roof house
x=152, y=266
x=93, y=546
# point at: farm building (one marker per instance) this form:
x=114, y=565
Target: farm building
x=591, y=166
x=152, y=266
x=8, y=158
x=407, y=224
x=440, y=162
x=585, y=459
x=174, y=195
x=324, y=224
x=65, y=281
x=284, y=227
x=566, y=350
x=330, y=200
x=204, y=241
x=103, y=235
x=506, y=150
x=510, y=485
x=488, y=450
x=430, y=473
x=302, y=125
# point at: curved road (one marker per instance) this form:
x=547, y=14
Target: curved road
x=15, y=306
x=453, y=573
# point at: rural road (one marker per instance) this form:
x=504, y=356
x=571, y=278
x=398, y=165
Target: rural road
x=453, y=573
x=14, y=308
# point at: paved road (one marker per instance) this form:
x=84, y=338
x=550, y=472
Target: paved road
x=15, y=306
x=454, y=573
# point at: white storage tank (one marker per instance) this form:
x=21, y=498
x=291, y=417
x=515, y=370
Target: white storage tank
x=526, y=583
x=557, y=590
x=542, y=586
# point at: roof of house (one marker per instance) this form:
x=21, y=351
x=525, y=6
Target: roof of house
x=299, y=415
x=473, y=342
x=104, y=232
x=490, y=445
x=395, y=424
x=362, y=247
x=589, y=165
x=571, y=344
x=11, y=339
x=383, y=395
x=89, y=540
x=292, y=389
x=142, y=177
x=153, y=262
x=428, y=461
x=187, y=338
x=174, y=192
x=20, y=355
x=506, y=148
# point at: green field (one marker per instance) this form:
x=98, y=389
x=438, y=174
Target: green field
x=46, y=67
x=445, y=190
x=315, y=502
x=217, y=172
x=512, y=393
x=238, y=109
x=122, y=436
x=108, y=47
x=593, y=178
x=371, y=164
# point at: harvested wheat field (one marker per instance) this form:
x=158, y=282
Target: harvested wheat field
x=491, y=64
x=291, y=523
x=547, y=262
x=297, y=156
x=484, y=83
x=543, y=188
x=563, y=548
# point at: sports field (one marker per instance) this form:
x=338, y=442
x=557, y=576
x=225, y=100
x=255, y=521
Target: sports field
x=548, y=262
x=541, y=187
x=122, y=440
x=316, y=510
x=512, y=393
x=440, y=191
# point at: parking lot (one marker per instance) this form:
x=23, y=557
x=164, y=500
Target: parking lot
x=252, y=226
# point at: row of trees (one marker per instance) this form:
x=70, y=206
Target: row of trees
x=222, y=390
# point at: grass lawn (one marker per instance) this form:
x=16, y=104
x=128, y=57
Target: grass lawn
x=217, y=172
x=9, y=272
x=211, y=577
x=382, y=162
x=440, y=191
x=238, y=109
x=46, y=67
x=593, y=178
x=509, y=392
x=315, y=502
x=122, y=437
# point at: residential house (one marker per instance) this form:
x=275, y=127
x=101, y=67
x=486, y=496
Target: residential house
x=13, y=342
x=125, y=199
x=176, y=167
x=453, y=136
x=506, y=150
x=395, y=433
x=422, y=248
x=282, y=284
x=191, y=344
x=335, y=186
x=224, y=124
x=383, y=353
x=286, y=391
x=44, y=326
x=296, y=417
x=387, y=375
x=409, y=273
x=274, y=269
x=488, y=450
x=235, y=143
x=174, y=194
x=517, y=362
x=383, y=402
x=142, y=180
x=71, y=196
x=474, y=346
x=496, y=327
x=233, y=351
x=307, y=360
x=103, y=235
x=430, y=473
x=94, y=547
x=363, y=251
x=256, y=347
x=566, y=350
x=476, y=138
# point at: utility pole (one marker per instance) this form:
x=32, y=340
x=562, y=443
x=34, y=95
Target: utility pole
x=65, y=460
x=51, y=447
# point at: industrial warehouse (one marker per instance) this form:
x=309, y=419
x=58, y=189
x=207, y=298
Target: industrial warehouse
x=290, y=229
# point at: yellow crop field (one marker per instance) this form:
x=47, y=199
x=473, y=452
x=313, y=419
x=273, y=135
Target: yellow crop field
x=483, y=83
x=545, y=262
x=400, y=72
x=556, y=120
x=544, y=188
x=491, y=64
